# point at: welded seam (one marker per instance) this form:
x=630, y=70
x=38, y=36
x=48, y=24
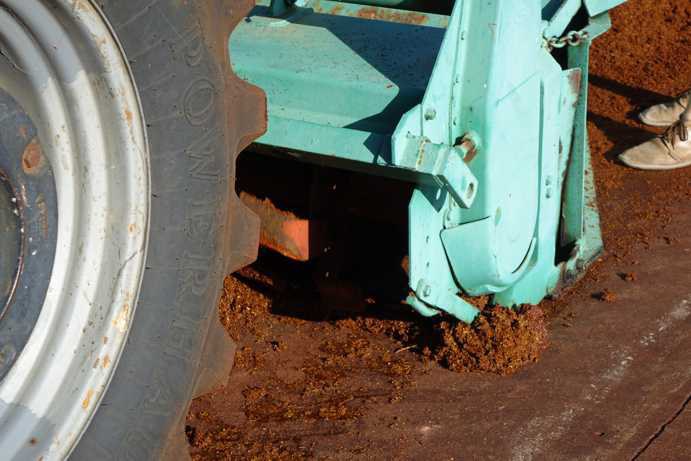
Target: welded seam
x=662, y=428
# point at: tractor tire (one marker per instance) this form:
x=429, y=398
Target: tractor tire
x=196, y=117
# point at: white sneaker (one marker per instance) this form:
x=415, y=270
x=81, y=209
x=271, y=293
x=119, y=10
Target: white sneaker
x=665, y=152
x=666, y=113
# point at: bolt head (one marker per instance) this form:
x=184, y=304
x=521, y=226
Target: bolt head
x=430, y=114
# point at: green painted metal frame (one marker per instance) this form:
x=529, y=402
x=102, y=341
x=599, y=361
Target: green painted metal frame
x=473, y=107
x=331, y=92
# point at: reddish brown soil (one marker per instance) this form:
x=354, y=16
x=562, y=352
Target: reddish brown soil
x=294, y=379
x=499, y=341
x=643, y=60
x=304, y=373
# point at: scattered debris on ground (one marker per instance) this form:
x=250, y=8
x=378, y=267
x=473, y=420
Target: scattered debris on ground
x=294, y=377
x=628, y=276
x=606, y=296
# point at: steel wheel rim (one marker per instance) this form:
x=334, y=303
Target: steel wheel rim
x=64, y=66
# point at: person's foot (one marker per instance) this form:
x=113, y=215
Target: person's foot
x=665, y=152
x=666, y=113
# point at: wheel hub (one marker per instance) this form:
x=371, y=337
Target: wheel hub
x=28, y=228
x=10, y=241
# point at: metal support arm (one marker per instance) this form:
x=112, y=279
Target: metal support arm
x=446, y=164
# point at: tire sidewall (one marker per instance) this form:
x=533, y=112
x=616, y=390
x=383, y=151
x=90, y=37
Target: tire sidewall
x=181, y=89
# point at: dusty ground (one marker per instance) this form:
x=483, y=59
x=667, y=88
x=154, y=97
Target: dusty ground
x=313, y=382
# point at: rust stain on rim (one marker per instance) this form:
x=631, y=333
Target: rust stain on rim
x=32, y=158
x=128, y=116
x=87, y=399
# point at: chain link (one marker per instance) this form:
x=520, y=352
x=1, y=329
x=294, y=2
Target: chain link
x=573, y=38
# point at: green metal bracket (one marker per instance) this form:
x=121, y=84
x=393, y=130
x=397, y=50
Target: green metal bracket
x=446, y=164
x=482, y=249
x=576, y=214
x=473, y=107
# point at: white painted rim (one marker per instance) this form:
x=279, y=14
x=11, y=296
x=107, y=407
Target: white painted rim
x=69, y=73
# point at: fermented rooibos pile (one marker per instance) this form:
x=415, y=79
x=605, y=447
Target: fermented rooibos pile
x=499, y=341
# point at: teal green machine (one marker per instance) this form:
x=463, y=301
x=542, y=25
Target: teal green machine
x=483, y=108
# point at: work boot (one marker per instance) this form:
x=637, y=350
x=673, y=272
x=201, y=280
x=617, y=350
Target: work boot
x=670, y=150
x=666, y=113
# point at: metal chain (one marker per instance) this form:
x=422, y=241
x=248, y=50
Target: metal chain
x=573, y=38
